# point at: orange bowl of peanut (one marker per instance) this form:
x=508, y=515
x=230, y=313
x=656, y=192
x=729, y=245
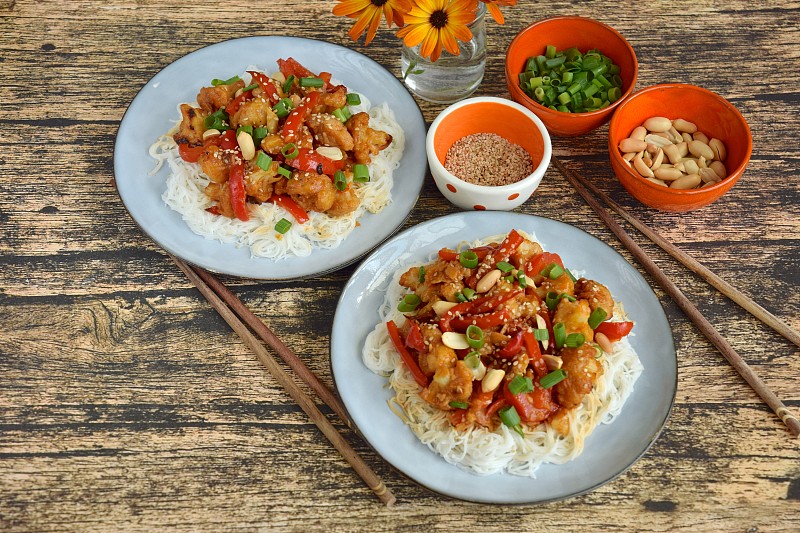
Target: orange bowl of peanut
x=678, y=147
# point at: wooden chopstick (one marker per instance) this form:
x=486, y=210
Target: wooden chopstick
x=362, y=469
x=686, y=306
x=693, y=264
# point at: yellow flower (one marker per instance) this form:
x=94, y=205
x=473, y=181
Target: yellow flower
x=437, y=23
x=368, y=13
x=494, y=8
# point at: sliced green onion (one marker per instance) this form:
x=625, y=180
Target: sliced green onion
x=353, y=99
x=541, y=334
x=285, y=172
x=468, y=293
x=474, y=336
x=597, y=316
x=571, y=276
x=460, y=297
x=468, y=259
x=283, y=226
x=560, y=334
x=250, y=87
x=568, y=297
x=340, y=180
x=556, y=376
x=459, y=405
x=263, y=161
x=473, y=360
x=258, y=135
x=408, y=303
x=247, y=129
x=504, y=266
x=552, y=271
x=551, y=300
x=422, y=274
x=520, y=384
x=290, y=151
x=216, y=120
x=283, y=107
x=508, y=415
x=311, y=82
x=574, y=340
x=360, y=173
x=216, y=81
x=288, y=83
x=339, y=114
x=523, y=279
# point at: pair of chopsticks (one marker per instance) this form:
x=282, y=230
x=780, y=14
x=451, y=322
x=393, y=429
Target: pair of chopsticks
x=229, y=306
x=583, y=187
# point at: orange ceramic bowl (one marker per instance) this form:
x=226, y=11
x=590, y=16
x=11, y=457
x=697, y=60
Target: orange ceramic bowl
x=712, y=114
x=563, y=33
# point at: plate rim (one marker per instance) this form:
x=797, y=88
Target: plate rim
x=413, y=194
x=651, y=438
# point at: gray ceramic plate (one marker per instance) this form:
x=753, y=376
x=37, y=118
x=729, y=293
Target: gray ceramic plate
x=154, y=110
x=609, y=451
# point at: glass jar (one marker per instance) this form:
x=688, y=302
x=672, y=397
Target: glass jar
x=450, y=78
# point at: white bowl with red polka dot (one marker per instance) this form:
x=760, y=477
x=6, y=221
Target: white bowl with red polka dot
x=506, y=118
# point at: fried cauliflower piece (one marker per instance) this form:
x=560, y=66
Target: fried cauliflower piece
x=212, y=98
x=329, y=131
x=259, y=183
x=256, y=113
x=192, y=126
x=335, y=99
x=575, y=316
x=582, y=372
x=367, y=141
x=314, y=192
x=221, y=193
x=596, y=294
x=452, y=380
x=344, y=203
x=214, y=162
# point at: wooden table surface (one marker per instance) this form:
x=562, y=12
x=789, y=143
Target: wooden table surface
x=127, y=403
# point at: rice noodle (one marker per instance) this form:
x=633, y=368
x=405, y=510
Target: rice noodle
x=479, y=450
x=185, y=193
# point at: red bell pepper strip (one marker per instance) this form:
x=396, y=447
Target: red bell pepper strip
x=447, y=254
x=614, y=330
x=267, y=85
x=535, y=354
x=190, y=154
x=532, y=407
x=488, y=320
x=227, y=140
x=481, y=305
x=405, y=355
x=238, y=194
x=291, y=67
x=311, y=161
x=414, y=338
x=538, y=263
x=234, y=105
x=294, y=209
x=507, y=247
x=297, y=116
x=512, y=347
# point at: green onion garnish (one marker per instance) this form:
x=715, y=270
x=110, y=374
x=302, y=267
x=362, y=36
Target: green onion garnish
x=509, y=417
x=460, y=297
x=250, y=87
x=474, y=336
x=311, y=82
x=523, y=280
x=283, y=107
x=551, y=300
x=422, y=274
x=597, y=316
x=568, y=297
x=473, y=360
x=247, y=129
x=353, y=99
x=571, y=276
x=468, y=259
x=216, y=120
x=560, y=334
x=258, y=135
x=339, y=114
x=285, y=172
x=339, y=180
x=216, y=81
x=520, y=384
x=408, y=303
x=468, y=293
x=360, y=173
x=288, y=83
x=541, y=334
x=503, y=266
x=552, y=271
x=459, y=405
x=556, y=376
x=283, y=226
x=574, y=340
x=263, y=161
x=290, y=151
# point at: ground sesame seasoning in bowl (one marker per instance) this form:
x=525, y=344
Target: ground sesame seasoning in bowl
x=487, y=153
x=488, y=159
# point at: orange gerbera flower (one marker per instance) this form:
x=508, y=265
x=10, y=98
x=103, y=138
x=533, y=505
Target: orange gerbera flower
x=437, y=23
x=368, y=13
x=494, y=8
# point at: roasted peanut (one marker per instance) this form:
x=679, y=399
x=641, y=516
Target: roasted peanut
x=657, y=124
x=689, y=181
x=632, y=145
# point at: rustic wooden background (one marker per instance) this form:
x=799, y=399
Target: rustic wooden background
x=127, y=403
